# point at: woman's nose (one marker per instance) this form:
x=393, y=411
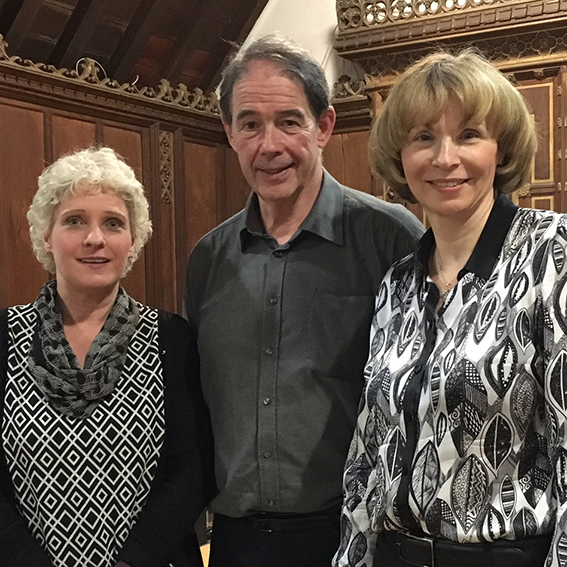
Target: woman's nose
x=446, y=153
x=94, y=237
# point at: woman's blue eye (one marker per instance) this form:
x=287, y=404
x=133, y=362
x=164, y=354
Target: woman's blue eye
x=115, y=223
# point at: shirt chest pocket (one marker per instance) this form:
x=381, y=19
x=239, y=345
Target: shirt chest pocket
x=339, y=331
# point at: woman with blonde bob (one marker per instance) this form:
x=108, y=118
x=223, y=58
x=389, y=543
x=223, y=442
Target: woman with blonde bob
x=459, y=457
x=105, y=441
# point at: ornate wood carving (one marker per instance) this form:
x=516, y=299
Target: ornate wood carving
x=166, y=166
x=194, y=110
x=376, y=15
x=385, y=36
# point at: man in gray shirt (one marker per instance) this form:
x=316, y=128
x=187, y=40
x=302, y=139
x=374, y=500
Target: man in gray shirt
x=280, y=298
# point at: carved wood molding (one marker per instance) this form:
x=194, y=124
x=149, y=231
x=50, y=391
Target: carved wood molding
x=508, y=32
x=365, y=24
x=536, y=53
x=166, y=169
x=194, y=110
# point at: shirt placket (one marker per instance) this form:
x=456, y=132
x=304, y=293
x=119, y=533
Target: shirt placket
x=410, y=406
x=267, y=389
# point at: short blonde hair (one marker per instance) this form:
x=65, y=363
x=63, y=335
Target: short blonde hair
x=419, y=97
x=99, y=169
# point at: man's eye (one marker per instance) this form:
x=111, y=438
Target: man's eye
x=249, y=126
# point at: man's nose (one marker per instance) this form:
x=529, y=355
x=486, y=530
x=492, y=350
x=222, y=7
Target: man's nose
x=271, y=139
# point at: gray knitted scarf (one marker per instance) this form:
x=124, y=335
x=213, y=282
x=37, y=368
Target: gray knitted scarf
x=70, y=389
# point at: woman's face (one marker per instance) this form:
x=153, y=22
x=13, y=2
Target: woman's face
x=90, y=240
x=450, y=165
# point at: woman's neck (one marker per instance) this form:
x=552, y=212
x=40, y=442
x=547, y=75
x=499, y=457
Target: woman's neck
x=455, y=241
x=85, y=305
x=83, y=315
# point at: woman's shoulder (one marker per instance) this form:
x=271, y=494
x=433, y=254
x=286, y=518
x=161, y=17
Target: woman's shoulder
x=538, y=226
x=174, y=332
x=170, y=320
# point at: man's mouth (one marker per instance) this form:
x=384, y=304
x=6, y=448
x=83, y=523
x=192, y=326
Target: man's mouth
x=274, y=170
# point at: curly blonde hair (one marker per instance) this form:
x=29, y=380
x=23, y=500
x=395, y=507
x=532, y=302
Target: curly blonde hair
x=99, y=169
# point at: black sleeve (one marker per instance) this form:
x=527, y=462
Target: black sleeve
x=18, y=548
x=183, y=485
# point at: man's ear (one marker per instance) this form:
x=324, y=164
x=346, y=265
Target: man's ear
x=326, y=125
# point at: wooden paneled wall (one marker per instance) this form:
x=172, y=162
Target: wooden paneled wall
x=186, y=183
x=191, y=187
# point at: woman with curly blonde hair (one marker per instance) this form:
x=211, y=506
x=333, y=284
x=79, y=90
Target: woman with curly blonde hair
x=105, y=451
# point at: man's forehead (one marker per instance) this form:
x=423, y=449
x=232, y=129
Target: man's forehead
x=261, y=70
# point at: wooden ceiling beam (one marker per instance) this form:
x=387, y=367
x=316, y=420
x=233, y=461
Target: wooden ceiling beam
x=134, y=40
x=239, y=30
x=196, y=26
x=22, y=16
x=71, y=44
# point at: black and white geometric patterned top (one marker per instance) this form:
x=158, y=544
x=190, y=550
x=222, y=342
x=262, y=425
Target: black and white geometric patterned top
x=462, y=427
x=81, y=483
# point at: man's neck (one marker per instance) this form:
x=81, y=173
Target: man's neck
x=283, y=217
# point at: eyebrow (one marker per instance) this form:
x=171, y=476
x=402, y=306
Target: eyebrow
x=108, y=212
x=296, y=112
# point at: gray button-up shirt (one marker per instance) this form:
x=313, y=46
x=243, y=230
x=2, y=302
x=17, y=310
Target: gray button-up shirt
x=283, y=337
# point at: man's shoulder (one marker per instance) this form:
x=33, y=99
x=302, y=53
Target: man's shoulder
x=394, y=215
x=227, y=231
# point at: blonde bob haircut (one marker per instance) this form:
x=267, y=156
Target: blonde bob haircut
x=93, y=169
x=419, y=97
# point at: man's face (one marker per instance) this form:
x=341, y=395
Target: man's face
x=276, y=136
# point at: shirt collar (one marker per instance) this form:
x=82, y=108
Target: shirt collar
x=489, y=245
x=325, y=218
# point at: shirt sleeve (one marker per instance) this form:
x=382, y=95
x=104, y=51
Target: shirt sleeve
x=361, y=501
x=551, y=323
x=18, y=547
x=195, y=280
x=183, y=486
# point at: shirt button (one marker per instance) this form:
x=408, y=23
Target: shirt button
x=273, y=300
x=278, y=253
x=418, y=368
x=404, y=471
x=267, y=401
x=267, y=455
x=270, y=351
x=271, y=503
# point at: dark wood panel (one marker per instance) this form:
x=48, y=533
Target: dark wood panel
x=128, y=144
x=234, y=189
x=544, y=191
x=200, y=191
x=161, y=183
x=69, y=134
x=540, y=100
x=357, y=169
x=21, y=161
x=333, y=158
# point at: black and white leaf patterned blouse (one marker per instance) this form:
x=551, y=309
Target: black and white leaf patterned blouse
x=462, y=424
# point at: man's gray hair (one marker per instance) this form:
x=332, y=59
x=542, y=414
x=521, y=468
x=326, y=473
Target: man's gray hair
x=296, y=63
